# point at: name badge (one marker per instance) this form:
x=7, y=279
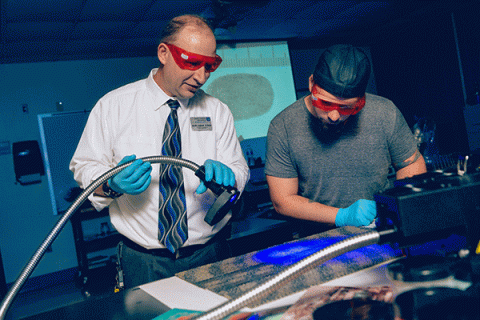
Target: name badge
x=201, y=123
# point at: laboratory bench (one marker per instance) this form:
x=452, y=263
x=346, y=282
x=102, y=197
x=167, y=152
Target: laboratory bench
x=235, y=276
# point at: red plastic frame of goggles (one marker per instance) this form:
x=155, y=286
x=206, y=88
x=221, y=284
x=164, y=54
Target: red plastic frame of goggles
x=343, y=109
x=193, y=61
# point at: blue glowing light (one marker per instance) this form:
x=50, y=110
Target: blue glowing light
x=290, y=253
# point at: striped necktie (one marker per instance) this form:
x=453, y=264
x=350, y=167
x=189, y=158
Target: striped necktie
x=172, y=221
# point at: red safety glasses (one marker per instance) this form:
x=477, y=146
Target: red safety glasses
x=343, y=109
x=193, y=61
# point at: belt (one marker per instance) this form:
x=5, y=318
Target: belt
x=181, y=252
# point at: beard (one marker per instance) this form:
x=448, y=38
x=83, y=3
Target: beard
x=328, y=133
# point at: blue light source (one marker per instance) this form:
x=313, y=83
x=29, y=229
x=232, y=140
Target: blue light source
x=290, y=253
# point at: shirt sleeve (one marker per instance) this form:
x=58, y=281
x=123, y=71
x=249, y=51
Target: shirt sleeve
x=93, y=156
x=401, y=141
x=278, y=162
x=229, y=150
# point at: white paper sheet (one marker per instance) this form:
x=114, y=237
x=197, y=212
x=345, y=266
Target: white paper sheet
x=177, y=293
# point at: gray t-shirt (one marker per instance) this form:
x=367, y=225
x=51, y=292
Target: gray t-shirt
x=354, y=166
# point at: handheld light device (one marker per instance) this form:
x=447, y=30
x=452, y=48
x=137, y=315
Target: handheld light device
x=226, y=197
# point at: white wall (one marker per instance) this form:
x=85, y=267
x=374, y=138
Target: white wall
x=26, y=215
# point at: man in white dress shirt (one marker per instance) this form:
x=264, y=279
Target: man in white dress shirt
x=128, y=124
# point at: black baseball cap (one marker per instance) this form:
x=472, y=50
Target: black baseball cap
x=343, y=70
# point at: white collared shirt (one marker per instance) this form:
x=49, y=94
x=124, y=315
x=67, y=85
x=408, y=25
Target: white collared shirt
x=131, y=120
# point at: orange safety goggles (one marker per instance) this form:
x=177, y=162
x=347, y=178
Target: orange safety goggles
x=193, y=61
x=343, y=109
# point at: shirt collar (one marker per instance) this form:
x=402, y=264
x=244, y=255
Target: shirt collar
x=159, y=95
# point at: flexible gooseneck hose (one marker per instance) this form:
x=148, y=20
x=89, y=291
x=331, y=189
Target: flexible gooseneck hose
x=28, y=269
x=292, y=272
x=221, y=311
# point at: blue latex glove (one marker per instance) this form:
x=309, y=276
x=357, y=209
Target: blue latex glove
x=361, y=213
x=134, y=179
x=223, y=175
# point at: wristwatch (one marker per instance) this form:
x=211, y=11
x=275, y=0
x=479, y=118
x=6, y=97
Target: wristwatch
x=109, y=192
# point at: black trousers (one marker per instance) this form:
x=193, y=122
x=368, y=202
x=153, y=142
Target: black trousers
x=139, y=265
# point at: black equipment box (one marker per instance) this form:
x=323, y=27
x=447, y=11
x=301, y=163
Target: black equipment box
x=430, y=204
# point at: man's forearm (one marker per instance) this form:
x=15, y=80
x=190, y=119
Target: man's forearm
x=412, y=169
x=302, y=208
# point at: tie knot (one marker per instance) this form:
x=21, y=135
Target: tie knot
x=173, y=104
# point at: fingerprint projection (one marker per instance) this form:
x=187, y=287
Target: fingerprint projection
x=247, y=95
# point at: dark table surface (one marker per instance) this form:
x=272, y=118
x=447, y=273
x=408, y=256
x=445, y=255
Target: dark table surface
x=132, y=304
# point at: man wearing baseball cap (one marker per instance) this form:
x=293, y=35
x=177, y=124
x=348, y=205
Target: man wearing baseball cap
x=330, y=152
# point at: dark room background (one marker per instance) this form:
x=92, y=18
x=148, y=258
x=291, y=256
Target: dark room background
x=428, y=65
